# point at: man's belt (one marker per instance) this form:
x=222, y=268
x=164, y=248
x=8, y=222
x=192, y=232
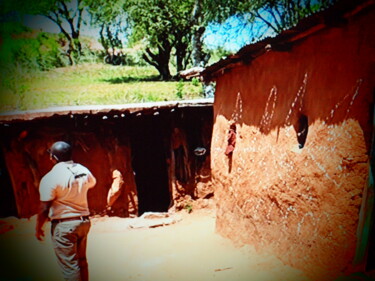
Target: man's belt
x=81, y=218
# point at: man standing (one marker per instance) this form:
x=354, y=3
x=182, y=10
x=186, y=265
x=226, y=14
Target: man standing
x=63, y=196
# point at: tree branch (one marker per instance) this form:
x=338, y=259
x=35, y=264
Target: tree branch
x=79, y=20
x=148, y=60
x=151, y=54
x=58, y=22
x=279, y=25
x=265, y=21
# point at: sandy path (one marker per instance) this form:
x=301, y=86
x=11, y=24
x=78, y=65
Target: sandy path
x=187, y=250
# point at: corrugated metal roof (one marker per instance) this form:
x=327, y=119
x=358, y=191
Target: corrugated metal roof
x=12, y=116
x=332, y=16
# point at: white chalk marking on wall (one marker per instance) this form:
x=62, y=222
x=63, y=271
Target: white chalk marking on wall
x=237, y=112
x=339, y=103
x=269, y=110
x=358, y=85
x=298, y=99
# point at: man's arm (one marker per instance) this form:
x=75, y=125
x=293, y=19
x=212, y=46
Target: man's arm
x=41, y=219
x=91, y=180
x=115, y=190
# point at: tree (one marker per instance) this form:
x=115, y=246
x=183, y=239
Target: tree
x=197, y=24
x=170, y=26
x=164, y=25
x=257, y=18
x=112, y=21
x=21, y=47
x=182, y=33
x=66, y=15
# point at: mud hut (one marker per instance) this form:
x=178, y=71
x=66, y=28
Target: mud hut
x=292, y=142
x=151, y=144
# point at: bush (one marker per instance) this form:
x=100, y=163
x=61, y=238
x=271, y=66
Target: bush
x=50, y=54
x=180, y=89
x=34, y=50
x=133, y=57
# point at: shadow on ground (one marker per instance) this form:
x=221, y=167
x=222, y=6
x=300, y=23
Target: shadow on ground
x=130, y=79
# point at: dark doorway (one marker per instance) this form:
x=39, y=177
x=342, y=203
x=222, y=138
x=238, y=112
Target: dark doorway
x=7, y=200
x=149, y=163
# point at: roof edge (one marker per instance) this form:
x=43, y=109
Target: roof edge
x=331, y=16
x=27, y=115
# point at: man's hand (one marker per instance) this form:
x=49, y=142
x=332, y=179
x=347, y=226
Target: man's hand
x=39, y=234
x=41, y=219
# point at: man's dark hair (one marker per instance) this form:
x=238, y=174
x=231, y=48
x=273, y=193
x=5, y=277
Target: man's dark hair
x=61, y=151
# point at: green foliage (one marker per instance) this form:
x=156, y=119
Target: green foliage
x=50, y=54
x=165, y=26
x=180, y=89
x=112, y=21
x=133, y=55
x=188, y=207
x=67, y=15
x=195, y=81
x=31, y=50
x=170, y=31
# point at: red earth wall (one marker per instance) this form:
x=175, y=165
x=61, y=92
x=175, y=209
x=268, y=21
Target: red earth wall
x=27, y=161
x=300, y=204
x=140, y=146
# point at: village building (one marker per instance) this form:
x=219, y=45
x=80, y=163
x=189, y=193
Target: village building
x=161, y=150
x=286, y=146
x=293, y=141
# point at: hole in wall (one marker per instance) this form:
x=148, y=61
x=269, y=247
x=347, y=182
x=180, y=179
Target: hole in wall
x=231, y=139
x=302, y=129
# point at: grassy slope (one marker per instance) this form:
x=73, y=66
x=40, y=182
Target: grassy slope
x=89, y=84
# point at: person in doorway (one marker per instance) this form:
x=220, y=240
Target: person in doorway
x=63, y=196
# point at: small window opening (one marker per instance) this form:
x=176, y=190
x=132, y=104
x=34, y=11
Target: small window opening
x=302, y=130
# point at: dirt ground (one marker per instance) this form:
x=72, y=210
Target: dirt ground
x=121, y=249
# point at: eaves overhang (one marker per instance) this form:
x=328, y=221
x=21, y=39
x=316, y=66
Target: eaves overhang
x=334, y=16
x=122, y=109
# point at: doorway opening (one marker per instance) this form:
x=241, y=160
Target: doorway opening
x=149, y=164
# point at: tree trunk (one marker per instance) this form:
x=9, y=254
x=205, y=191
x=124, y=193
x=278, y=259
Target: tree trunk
x=160, y=60
x=69, y=55
x=77, y=43
x=198, y=56
x=102, y=40
x=165, y=74
x=181, y=55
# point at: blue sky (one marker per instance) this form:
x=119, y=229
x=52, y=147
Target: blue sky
x=231, y=35
x=235, y=33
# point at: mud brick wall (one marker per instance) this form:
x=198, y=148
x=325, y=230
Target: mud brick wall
x=298, y=198
x=139, y=145
x=98, y=145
